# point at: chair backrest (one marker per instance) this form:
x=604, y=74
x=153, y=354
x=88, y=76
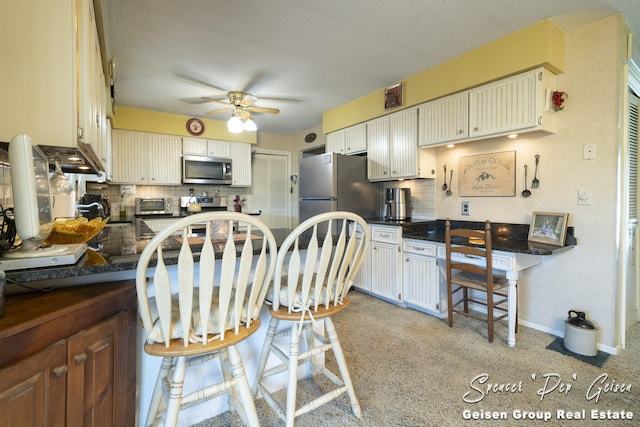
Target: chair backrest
x=318, y=261
x=221, y=292
x=478, y=257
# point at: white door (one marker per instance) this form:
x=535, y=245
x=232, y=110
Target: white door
x=271, y=189
x=632, y=303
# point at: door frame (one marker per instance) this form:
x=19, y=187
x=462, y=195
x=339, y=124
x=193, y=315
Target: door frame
x=287, y=154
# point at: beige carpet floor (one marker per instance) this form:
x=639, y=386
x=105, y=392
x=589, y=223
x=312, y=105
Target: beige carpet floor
x=411, y=369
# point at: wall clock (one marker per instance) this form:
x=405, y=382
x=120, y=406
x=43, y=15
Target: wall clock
x=195, y=127
x=309, y=138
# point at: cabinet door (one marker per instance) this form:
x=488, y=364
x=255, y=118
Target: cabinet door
x=355, y=139
x=403, y=141
x=385, y=267
x=164, y=160
x=444, y=120
x=241, y=164
x=335, y=142
x=130, y=157
x=421, y=287
x=503, y=106
x=216, y=148
x=378, y=149
x=32, y=391
x=194, y=146
x=95, y=379
x=363, y=277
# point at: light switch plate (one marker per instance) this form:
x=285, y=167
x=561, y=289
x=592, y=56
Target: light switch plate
x=589, y=151
x=584, y=197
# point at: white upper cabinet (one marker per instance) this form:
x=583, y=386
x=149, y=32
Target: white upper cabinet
x=146, y=159
x=511, y=105
x=352, y=140
x=240, y=164
x=206, y=147
x=393, y=151
x=444, y=120
x=52, y=82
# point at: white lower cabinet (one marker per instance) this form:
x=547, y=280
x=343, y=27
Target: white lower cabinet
x=362, y=281
x=421, y=279
x=386, y=263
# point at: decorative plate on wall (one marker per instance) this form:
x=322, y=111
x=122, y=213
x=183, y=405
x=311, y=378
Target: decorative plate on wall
x=310, y=137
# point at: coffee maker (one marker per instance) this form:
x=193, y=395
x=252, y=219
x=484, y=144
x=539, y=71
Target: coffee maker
x=397, y=204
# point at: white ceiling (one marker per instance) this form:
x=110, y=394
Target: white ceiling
x=306, y=56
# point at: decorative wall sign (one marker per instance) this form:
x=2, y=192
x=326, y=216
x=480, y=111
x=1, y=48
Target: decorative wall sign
x=548, y=227
x=393, y=96
x=487, y=175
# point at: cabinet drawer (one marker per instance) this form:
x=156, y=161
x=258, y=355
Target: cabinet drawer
x=499, y=262
x=419, y=248
x=386, y=234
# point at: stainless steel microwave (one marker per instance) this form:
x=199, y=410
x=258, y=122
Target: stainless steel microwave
x=206, y=170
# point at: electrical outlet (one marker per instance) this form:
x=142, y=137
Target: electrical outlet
x=466, y=208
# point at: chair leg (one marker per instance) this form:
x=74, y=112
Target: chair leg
x=175, y=392
x=450, y=302
x=292, y=381
x=264, y=354
x=156, y=397
x=242, y=389
x=490, y=313
x=465, y=295
x=342, y=366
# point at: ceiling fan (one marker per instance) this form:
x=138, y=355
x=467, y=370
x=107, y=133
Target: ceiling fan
x=240, y=104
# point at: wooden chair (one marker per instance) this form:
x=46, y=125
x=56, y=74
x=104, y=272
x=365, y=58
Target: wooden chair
x=310, y=285
x=469, y=268
x=200, y=311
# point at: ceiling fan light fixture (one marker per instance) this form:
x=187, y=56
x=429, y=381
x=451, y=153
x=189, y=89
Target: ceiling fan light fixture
x=250, y=125
x=235, y=125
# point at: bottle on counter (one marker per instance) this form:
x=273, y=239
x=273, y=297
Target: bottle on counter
x=123, y=208
x=63, y=196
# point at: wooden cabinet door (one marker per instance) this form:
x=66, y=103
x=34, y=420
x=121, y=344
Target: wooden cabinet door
x=444, y=120
x=378, y=149
x=241, y=164
x=355, y=139
x=503, y=106
x=385, y=267
x=130, y=157
x=335, y=142
x=403, y=142
x=32, y=391
x=164, y=153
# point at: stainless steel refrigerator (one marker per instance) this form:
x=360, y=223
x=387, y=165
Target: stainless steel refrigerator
x=335, y=182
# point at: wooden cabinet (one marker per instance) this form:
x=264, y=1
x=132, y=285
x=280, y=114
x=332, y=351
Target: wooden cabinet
x=444, y=120
x=421, y=278
x=69, y=357
x=147, y=159
x=206, y=147
x=241, y=164
x=352, y=140
x=386, y=263
x=393, y=151
x=52, y=85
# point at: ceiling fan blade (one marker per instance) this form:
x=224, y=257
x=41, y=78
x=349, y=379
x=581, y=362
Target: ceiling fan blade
x=248, y=100
x=222, y=110
x=219, y=101
x=263, y=110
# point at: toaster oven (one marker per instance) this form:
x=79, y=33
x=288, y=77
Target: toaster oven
x=154, y=206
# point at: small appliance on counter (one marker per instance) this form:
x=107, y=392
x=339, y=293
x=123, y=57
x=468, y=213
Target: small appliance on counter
x=154, y=206
x=397, y=204
x=204, y=203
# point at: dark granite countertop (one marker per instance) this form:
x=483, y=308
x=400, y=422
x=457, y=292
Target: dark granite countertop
x=505, y=237
x=116, y=248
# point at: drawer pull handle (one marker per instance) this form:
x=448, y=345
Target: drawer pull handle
x=80, y=358
x=60, y=371
x=471, y=256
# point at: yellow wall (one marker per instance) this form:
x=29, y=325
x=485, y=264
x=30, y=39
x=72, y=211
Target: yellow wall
x=541, y=44
x=174, y=124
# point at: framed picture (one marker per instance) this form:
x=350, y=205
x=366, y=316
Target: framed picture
x=487, y=175
x=393, y=96
x=549, y=228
